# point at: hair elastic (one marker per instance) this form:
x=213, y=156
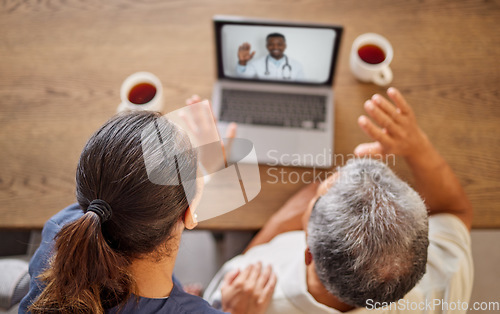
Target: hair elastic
x=101, y=208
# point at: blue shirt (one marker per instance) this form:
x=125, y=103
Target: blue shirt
x=178, y=302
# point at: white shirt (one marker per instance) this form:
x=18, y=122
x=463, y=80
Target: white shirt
x=277, y=69
x=448, y=277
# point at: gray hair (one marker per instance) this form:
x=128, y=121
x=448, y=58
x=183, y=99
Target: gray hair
x=369, y=235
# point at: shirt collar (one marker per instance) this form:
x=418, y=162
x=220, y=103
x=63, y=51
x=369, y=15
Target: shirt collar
x=276, y=62
x=296, y=290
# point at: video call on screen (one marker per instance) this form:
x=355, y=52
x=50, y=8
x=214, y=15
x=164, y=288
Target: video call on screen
x=304, y=55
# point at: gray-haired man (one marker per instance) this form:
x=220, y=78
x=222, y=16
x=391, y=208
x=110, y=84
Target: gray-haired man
x=367, y=237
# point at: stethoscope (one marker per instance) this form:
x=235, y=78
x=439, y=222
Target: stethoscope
x=285, y=66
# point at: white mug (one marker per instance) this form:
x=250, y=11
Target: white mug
x=376, y=71
x=129, y=93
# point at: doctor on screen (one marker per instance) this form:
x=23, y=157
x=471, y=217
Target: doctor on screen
x=274, y=66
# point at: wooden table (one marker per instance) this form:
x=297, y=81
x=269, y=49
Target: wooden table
x=62, y=64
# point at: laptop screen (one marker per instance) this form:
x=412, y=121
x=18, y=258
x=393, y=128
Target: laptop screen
x=276, y=52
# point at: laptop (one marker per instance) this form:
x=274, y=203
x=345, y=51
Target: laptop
x=274, y=79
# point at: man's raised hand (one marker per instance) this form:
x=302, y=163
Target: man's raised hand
x=394, y=127
x=244, y=54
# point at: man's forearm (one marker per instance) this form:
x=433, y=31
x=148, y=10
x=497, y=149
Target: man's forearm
x=274, y=226
x=438, y=185
x=287, y=218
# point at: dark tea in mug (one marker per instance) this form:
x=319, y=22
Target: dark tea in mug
x=142, y=93
x=372, y=54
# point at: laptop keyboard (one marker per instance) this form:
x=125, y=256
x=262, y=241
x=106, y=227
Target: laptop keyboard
x=274, y=109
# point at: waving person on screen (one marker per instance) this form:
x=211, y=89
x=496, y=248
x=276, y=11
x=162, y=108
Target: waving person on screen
x=273, y=66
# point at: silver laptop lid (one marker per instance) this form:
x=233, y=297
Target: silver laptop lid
x=275, y=51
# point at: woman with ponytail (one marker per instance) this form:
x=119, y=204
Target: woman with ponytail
x=115, y=250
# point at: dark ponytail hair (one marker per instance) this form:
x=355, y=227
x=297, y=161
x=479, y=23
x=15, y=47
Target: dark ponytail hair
x=89, y=271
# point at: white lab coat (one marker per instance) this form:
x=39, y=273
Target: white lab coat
x=257, y=68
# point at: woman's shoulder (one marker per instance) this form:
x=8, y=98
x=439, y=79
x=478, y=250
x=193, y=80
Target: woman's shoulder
x=67, y=215
x=188, y=303
x=178, y=302
x=40, y=260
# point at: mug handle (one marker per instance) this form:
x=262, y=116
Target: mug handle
x=121, y=107
x=383, y=77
